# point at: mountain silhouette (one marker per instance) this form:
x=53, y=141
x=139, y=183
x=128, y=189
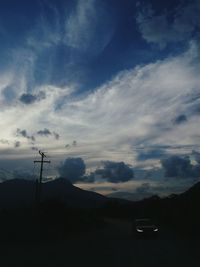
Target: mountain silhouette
x=192, y=194
x=21, y=193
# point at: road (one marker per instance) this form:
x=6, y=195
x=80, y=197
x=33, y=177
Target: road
x=112, y=246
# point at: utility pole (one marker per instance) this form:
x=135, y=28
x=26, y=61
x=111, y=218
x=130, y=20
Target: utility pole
x=39, y=183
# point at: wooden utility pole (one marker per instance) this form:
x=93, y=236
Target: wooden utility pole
x=39, y=183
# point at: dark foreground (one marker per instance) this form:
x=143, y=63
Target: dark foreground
x=113, y=245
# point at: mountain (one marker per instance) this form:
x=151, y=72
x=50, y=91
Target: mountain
x=21, y=193
x=65, y=191
x=192, y=194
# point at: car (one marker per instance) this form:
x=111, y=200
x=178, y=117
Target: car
x=145, y=228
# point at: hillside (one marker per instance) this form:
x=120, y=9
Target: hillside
x=21, y=193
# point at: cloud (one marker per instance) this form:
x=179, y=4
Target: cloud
x=30, y=98
x=151, y=154
x=175, y=26
x=180, y=119
x=115, y=172
x=135, y=109
x=176, y=166
x=89, y=178
x=143, y=102
x=72, y=169
x=24, y=134
x=46, y=31
x=74, y=144
x=86, y=30
x=45, y=132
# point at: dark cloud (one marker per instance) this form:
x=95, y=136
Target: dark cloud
x=176, y=166
x=151, y=154
x=45, y=132
x=90, y=178
x=30, y=98
x=180, y=119
x=17, y=144
x=74, y=143
x=72, y=169
x=24, y=134
x=115, y=172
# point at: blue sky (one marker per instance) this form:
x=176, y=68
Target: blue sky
x=121, y=78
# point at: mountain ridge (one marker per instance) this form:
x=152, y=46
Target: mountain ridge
x=21, y=192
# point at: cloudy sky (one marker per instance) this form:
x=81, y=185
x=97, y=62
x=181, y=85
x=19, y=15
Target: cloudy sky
x=108, y=82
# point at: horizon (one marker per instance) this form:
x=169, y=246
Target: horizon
x=133, y=196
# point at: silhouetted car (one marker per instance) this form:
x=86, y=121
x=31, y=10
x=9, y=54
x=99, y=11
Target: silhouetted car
x=145, y=227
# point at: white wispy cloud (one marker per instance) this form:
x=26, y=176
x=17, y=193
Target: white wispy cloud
x=85, y=28
x=46, y=32
x=79, y=25
x=135, y=109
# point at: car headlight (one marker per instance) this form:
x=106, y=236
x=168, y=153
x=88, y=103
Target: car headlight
x=139, y=230
x=155, y=230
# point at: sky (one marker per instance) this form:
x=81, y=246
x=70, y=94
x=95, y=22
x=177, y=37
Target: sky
x=112, y=83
